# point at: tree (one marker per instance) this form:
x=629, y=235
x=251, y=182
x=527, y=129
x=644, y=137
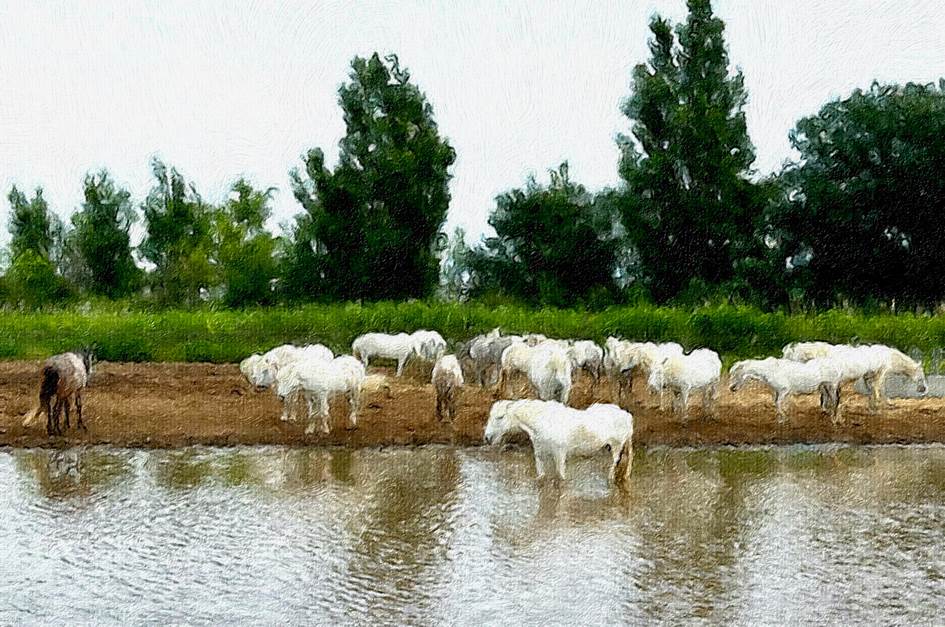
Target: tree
x=456, y=271
x=553, y=244
x=860, y=215
x=244, y=247
x=101, y=237
x=32, y=226
x=689, y=206
x=374, y=222
x=32, y=280
x=178, y=237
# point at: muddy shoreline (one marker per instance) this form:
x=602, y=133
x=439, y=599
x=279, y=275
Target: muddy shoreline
x=169, y=405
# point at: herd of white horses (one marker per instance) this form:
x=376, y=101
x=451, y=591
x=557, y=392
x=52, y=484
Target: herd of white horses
x=312, y=374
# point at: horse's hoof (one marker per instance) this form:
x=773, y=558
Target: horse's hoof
x=350, y=428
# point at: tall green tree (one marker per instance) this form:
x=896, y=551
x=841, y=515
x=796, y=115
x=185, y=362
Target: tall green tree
x=36, y=245
x=554, y=244
x=178, y=238
x=244, y=248
x=374, y=221
x=689, y=205
x=101, y=237
x=32, y=226
x=861, y=213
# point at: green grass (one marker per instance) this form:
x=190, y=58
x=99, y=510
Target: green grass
x=228, y=336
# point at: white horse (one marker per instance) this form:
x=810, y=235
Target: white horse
x=483, y=353
x=398, y=347
x=316, y=381
x=683, y=374
x=587, y=356
x=805, y=351
x=430, y=344
x=786, y=377
x=447, y=379
x=547, y=367
x=873, y=363
x=557, y=431
x=261, y=370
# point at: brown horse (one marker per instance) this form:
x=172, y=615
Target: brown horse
x=63, y=377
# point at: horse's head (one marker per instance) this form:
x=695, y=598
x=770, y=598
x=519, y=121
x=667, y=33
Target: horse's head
x=87, y=355
x=918, y=377
x=655, y=380
x=263, y=375
x=499, y=423
x=912, y=369
x=736, y=378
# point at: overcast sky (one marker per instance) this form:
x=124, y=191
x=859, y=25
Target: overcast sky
x=223, y=89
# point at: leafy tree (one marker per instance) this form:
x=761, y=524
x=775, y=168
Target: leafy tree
x=689, y=206
x=101, y=238
x=860, y=217
x=553, y=244
x=32, y=226
x=178, y=238
x=374, y=221
x=244, y=247
x=301, y=269
x=32, y=280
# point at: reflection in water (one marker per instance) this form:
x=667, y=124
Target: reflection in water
x=440, y=535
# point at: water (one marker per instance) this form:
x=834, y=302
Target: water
x=439, y=535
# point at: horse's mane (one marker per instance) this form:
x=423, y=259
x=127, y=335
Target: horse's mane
x=904, y=361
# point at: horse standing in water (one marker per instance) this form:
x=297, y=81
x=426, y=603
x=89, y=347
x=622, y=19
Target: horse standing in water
x=63, y=376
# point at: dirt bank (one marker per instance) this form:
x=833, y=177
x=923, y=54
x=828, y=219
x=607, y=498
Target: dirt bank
x=170, y=405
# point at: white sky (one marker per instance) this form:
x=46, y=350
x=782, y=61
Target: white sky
x=222, y=89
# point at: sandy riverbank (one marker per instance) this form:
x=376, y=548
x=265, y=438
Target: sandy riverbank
x=173, y=404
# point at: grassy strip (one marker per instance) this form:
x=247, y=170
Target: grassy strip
x=228, y=336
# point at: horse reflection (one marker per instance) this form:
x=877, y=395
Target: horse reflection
x=67, y=473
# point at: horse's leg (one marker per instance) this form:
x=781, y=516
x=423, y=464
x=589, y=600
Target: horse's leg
x=873, y=384
x=400, y=366
x=353, y=402
x=310, y=403
x=779, y=404
x=683, y=396
x=78, y=411
x=561, y=458
x=324, y=411
x=879, y=391
x=57, y=409
x=47, y=407
x=539, y=463
x=67, y=402
x=615, y=448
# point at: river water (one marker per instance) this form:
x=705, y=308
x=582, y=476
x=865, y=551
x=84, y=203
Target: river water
x=463, y=536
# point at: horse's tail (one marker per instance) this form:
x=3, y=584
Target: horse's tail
x=47, y=389
x=625, y=461
x=31, y=416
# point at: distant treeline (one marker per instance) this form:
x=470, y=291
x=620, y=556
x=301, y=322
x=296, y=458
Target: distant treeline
x=857, y=220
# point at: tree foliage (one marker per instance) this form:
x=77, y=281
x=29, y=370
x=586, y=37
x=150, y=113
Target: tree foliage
x=554, y=244
x=101, y=237
x=178, y=238
x=861, y=213
x=32, y=281
x=374, y=222
x=456, y=269
x=244, y=248
x=32, y=226
x=689, y=205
